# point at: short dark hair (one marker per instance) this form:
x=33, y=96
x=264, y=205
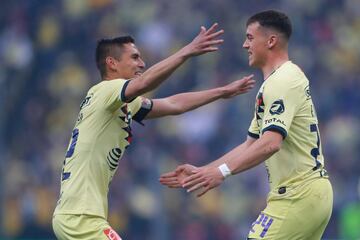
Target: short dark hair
x=106, y=47
x=273, y=19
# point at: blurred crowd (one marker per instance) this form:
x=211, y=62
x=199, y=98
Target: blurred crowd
x=47, y=65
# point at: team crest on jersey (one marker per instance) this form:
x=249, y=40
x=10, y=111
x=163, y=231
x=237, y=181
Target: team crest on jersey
x=277, y=107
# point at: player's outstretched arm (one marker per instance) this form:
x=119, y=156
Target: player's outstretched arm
x=209, y=177
x=184, y=102
x=176, y=178
x=206, y=41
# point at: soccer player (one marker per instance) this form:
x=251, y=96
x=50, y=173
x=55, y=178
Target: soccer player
x=284, y=133
x=103, y=128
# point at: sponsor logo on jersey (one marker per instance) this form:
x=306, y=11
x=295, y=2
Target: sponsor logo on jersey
x=277, y=107
x=274, y=120
x=86, y=101
x=111, y=234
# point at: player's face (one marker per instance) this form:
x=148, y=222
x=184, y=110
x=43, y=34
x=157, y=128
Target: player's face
x=256, y=45
x=130, y=64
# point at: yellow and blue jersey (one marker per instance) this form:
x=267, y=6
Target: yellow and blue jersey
x=102, y=133
x=284, y=105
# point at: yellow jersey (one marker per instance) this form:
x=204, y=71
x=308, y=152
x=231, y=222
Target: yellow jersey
x=284, y=105
x=102, y=133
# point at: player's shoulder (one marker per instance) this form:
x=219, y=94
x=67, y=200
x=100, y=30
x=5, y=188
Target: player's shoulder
x=289, y=75
x=108, y=85
x=111, y=83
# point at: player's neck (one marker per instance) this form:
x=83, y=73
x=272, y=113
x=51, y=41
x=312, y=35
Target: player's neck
x=111, y=76
x=273, y=64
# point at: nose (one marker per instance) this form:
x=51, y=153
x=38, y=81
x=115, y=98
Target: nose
x=245, y=45
x=141, y=64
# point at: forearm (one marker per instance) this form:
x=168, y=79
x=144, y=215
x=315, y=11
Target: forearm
x=185, y=102
x=255, y=154
x=237, y=151
x=156, y=74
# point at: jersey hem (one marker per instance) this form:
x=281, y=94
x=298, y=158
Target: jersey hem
x=253, y=135
x=277, y=129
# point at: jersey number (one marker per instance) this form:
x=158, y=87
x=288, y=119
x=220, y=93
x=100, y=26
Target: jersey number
x=315, y=152
x=70, y=152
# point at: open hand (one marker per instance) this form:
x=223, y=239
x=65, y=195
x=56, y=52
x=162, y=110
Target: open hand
x=204, y=42
x=239, y=86
x=204, y=178
x=175, y=179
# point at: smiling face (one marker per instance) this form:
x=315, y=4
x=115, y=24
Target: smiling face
x=128, y=65
x=256, y=43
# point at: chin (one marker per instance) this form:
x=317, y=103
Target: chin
x=253, y=64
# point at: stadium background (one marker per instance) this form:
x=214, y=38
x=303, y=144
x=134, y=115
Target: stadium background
x=47, y=65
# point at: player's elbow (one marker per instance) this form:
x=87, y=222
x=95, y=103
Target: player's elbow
x=273, y=147
x=272, y=141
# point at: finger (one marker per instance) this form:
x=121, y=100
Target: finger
x=213, y=42
x=215, y=34
x=204, y=190
x=209, y=49
x=190, y=183
x=169, y=174
x=172, y=183
x=196, y=187
x=202, y=29
x=192, y=177
x=167, y=179
x=212, y=28
x=175, y=185
x=250, y=76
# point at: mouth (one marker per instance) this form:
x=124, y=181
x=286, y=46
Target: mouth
x=138, y=73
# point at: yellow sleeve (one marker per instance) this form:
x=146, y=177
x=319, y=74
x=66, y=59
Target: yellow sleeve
x=281, y=99
x=112, y=93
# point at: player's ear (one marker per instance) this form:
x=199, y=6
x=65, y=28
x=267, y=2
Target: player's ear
x=272, y=41
x=110, y=62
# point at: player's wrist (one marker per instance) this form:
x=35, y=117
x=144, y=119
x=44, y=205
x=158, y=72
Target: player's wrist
x=225, y=170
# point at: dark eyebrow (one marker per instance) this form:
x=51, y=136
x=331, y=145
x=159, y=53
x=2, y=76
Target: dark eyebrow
x=135, y=55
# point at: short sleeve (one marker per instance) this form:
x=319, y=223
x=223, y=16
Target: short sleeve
x=112, y=93
x=140, y=107
x=254, y=130
x=281, y=103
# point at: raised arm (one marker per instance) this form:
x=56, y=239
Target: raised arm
x=206, y=41
x=184, y=102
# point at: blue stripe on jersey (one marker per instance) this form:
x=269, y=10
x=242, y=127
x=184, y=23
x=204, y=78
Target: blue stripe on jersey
x=143, y=111
x=253, y=135
x=277, y=129
x=122, y=94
